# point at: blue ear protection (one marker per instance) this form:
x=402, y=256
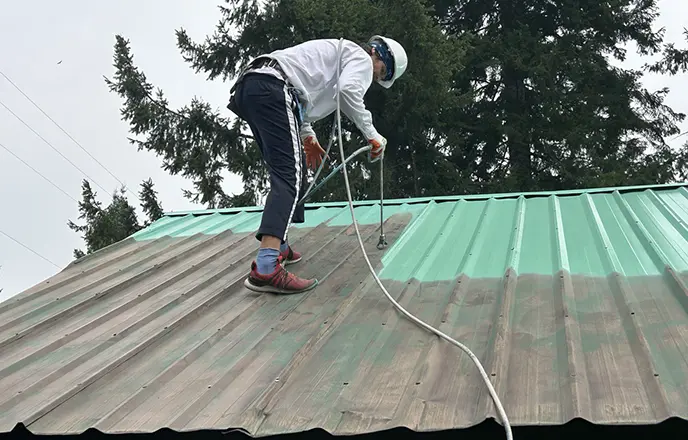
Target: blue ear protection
x=386, y=58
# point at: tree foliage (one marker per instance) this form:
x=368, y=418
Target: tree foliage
x=500, y=95
x=149, y=202
x=548, y=110
x=672, y=62
x=117, y=221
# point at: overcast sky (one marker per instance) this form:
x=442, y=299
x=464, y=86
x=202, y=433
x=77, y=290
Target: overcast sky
x=79, y=35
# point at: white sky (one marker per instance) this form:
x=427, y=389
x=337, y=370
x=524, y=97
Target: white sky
x=36, y=35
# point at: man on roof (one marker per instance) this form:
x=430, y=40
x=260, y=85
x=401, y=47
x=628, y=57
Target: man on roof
x=279, y=95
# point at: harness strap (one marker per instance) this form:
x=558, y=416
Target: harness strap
x=266, y=61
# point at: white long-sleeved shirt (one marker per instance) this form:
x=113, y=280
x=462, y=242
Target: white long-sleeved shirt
x=311, y=68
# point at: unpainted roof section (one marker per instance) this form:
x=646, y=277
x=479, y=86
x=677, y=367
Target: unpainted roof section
x=576, y=303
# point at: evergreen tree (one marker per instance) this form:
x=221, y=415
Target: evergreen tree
x=675, y=61
x=547, y=109
x=149, y=202
x=105, y=226
x=499, y=96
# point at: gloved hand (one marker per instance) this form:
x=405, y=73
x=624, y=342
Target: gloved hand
x=314, y=152
x=378, y=149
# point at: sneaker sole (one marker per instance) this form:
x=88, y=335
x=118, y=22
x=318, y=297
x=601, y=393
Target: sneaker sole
x=288, y=262
x=275, y=290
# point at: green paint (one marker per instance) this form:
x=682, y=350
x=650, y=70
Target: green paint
x=634, y=231
x=538, y=252
x=588, y=254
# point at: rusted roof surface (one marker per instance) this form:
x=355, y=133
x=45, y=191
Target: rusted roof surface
x=575, y=303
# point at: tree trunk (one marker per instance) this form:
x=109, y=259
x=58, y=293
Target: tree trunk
x=515, y=107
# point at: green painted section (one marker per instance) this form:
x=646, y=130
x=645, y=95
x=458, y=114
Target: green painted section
x=636, y=231
x=242, y=222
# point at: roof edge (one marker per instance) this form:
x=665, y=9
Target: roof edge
x=456, y=198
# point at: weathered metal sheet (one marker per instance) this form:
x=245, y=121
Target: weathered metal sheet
x=576, y=305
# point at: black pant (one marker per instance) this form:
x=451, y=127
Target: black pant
x=266, y=104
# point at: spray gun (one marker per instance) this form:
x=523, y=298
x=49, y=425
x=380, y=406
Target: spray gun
x=382, y=242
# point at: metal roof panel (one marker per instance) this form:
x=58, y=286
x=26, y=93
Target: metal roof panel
x=575, y=303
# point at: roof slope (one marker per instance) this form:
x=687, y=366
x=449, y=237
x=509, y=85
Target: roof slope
x=576, y=303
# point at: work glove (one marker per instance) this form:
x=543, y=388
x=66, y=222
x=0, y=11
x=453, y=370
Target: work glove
x=314, y=152
x=375, y=153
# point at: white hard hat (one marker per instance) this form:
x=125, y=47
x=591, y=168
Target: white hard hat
x=394, y=57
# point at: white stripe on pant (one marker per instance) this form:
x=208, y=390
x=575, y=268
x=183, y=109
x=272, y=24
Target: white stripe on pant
x=296, y=144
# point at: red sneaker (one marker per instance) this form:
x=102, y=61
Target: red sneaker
x=290, y=256
x=280, y=281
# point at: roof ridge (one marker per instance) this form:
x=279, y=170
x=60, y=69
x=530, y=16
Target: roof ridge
x=454, y=198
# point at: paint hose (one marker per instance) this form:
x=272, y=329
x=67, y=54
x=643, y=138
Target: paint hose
x=476, y=361
x=312, y=189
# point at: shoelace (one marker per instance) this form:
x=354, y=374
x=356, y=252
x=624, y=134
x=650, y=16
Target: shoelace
x=285, y=278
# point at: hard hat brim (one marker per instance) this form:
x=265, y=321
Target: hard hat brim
x=386, y=84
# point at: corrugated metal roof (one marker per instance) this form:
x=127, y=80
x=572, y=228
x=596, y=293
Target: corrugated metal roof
x=576, y=303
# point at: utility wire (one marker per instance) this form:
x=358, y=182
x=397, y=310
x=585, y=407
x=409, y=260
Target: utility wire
x=28, y=248
x=53, y=147
x=63, y=130
x=37, y=172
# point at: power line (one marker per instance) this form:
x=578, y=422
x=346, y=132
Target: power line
x=63, y=130
x=28, y=248
x=37, y=172
x=53, y=147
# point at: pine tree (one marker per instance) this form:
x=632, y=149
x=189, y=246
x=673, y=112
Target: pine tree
x=500, y=95
x=105, y=226
x=149, y=202
x=673, y=62
x=545, y=108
